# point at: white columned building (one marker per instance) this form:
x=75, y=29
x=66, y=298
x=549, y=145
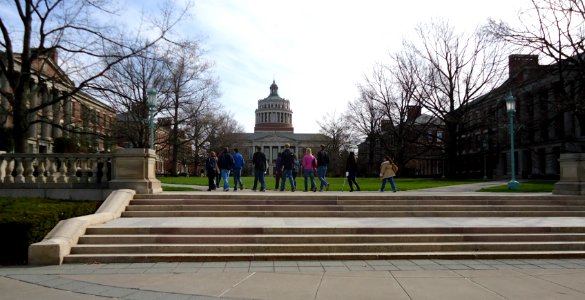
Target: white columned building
x=274, y=128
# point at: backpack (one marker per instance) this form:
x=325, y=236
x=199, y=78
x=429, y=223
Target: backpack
x=394, y=167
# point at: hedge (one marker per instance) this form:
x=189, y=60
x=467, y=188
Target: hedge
x=24, y=221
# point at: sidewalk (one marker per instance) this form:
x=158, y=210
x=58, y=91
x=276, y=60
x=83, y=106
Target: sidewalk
x=383, y=279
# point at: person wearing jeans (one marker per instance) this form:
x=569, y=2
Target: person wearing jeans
x=287, y=166
x=259, y=161
x=308, y=165
x=322, y=162
x=238, y=165
x=387, y=174
x=226, y=163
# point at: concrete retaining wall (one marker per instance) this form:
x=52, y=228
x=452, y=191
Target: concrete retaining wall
x=57, y=244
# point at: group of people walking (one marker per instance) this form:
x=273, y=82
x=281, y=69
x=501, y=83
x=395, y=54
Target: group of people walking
x=218, y=167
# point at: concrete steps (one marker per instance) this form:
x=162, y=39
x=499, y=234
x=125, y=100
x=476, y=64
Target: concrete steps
x=373, y=205
x=153, y=243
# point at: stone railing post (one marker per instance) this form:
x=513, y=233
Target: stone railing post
x=135, y=169
x=572, y=180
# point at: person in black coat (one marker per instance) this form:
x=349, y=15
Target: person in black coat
x=351, y=171
x=211, y=169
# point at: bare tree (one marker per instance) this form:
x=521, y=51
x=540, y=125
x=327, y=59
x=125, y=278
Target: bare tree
x=82, y=32
x=227, y=132
x=450, y=70
x=125, y=87
x=191, y=90
x=392, y=122
x=342, y=139
x=556, y=30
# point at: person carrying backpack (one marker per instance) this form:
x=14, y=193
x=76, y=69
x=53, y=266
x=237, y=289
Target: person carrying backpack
x=387, y=174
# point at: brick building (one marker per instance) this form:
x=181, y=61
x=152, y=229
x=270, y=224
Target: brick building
x=80, y=118
x=544, y=128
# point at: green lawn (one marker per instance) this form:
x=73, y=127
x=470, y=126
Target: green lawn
x=366, y=184
x=535, y=186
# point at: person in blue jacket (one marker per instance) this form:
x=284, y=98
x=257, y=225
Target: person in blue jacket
x=238, y=165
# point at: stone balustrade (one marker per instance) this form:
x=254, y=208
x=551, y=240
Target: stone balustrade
x=78, y=175
x=74, y=170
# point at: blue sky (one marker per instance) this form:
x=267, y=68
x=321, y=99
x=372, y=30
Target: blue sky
x=317, y=51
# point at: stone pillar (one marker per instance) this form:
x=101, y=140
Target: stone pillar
x=572, y=175
x=135, y=169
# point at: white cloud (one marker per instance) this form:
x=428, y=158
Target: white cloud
x=316, y=50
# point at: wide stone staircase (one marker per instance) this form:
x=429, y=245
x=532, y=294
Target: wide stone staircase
x=307, y=226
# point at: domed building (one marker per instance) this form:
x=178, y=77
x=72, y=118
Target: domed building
x=273, y=113
x=274, y=128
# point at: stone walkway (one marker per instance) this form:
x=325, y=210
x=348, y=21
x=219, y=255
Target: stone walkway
x=379, y=279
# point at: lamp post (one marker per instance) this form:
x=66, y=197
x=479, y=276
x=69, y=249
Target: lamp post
x=151, y=103
x=485, y=148
x=511, y=108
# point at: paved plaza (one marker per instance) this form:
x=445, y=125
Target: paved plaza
x=378, y=279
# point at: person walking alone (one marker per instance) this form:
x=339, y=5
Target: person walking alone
x=226, y=163
x=387, y=174
x=309, y=165
x=288, y=161
x=238, y=165
x=351, y=169
x=322, y=162
x=259, y=161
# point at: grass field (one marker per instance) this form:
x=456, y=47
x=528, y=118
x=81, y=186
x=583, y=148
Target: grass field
x=336, y=184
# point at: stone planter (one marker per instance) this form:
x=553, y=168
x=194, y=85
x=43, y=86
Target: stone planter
x=572, y=180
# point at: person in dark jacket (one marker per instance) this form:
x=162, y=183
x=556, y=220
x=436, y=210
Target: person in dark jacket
x=259, y=161
x=278, y=171
x=288, y=161
x=322, y=162
x=211, y=169
x=226, y=163
x=351, y=170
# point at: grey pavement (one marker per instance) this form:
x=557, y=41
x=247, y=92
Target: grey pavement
x=353, y=279
x=319, y=279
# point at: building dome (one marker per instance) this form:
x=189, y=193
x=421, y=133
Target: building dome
x=273, y=113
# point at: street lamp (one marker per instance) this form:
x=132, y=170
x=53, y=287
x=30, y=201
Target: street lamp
x=151, y=103
x=485, y=149
x=511, y=108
